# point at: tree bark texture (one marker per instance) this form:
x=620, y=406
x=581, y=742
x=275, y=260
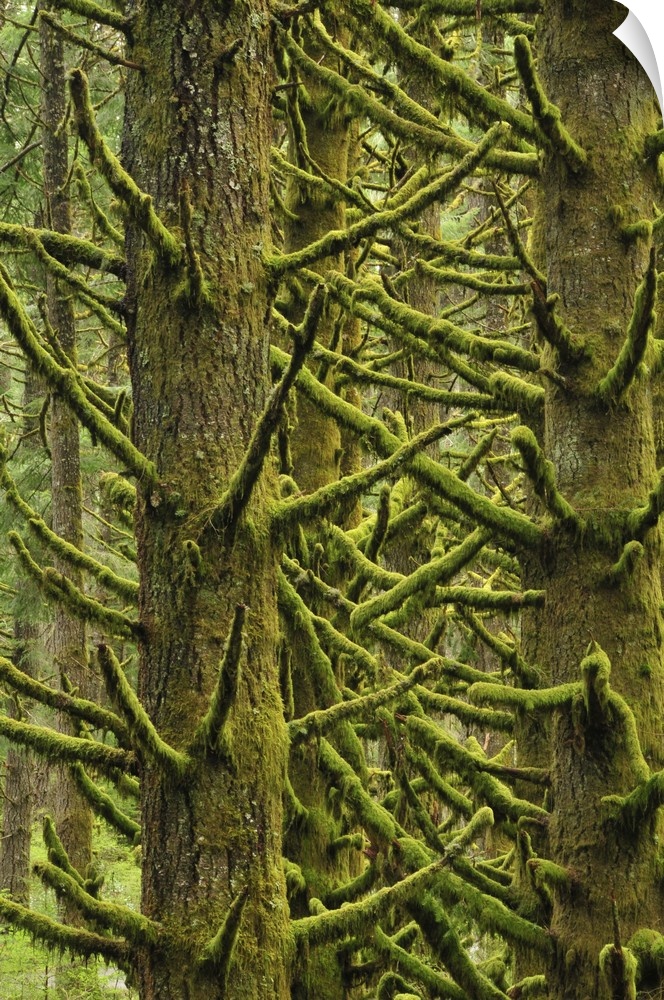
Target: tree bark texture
x=198, y=130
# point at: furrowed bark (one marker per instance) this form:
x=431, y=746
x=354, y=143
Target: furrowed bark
x=197, y=340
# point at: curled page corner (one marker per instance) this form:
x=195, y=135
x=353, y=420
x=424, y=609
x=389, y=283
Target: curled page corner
x=643, y=34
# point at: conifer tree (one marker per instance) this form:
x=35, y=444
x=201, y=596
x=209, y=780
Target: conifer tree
x=537, y=519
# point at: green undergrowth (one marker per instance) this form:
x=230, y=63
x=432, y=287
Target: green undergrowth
x=30, y=972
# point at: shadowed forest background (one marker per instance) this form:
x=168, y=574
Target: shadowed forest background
x=331, y=384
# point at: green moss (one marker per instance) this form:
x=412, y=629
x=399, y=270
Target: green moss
x=547, y=115
x=143, y=733
x=337, y=241
x=621, y=376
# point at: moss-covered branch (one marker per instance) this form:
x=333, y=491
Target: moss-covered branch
x=104, y=806
x=67, y=383
x=210, y=731
x=373, y=817
x=70, y=250
x=547, y=115
x=60, y=937
x=143, y=733
x=639, y=805
x=76, y=708
x=218, y=953
x=468, y=714
x=337, y=241
x=479, y=104
x=642, y=519
x=58, y=746
x=239, y=491
x=56, y=852
x=474, y=768
x=435, y=572
x=136, y=928
x=318, y=722
x=65, y=550
x=434, y=331
x=617, y=381
x=96, y=12
x=437, y=984
x=569, y=346
x=359, y=918
x=74, y=38
x=58, y=587
x=441, y=935
x=138, y=204
x=409, y=120
x=543, y=700
x=328, y=498
x=543, y=476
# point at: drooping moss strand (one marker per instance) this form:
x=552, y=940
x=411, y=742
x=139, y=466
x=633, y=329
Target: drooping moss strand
x=631, y=554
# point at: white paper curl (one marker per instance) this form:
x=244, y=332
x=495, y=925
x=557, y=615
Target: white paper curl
x=643, y=34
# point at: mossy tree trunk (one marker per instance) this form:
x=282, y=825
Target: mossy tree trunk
x=197, y=139
x=72, y=813
x=318, y=458
x=604, y=456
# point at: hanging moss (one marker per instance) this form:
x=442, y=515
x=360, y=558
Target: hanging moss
x=59, y=937
x=136, y=928
x=376, y=821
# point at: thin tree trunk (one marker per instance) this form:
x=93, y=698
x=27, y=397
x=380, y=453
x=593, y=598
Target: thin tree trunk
x=72, y=814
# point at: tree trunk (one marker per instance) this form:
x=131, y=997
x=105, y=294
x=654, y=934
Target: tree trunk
x=605, y=464
x=73, y=816
x=198, y=133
